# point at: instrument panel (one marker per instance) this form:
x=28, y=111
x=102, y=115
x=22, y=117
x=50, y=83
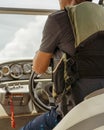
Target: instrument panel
x=19, y=70
x=13, y=70
x=14, y=81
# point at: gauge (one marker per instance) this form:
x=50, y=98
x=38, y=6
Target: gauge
x=16, y=71
x=1, y=74
x=5, y=70
x=27, y=68
x=49, y=70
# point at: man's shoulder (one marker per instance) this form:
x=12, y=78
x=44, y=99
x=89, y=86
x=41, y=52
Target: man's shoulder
x=58, y=13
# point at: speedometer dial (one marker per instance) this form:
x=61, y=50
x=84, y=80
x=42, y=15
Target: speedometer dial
x=16, y=71
x=27, y=68
x=5, y=70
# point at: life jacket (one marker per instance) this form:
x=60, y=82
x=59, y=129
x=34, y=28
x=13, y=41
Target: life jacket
x=87, y=21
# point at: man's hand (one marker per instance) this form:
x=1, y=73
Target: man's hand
x=41, y=62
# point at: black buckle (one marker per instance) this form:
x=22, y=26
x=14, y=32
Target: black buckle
x=70, y=61
x=70, y=80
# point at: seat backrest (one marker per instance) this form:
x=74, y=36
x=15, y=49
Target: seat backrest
x=95, y=93
x=87, y=115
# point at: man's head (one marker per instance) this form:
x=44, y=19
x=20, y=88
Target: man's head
x=64, y=3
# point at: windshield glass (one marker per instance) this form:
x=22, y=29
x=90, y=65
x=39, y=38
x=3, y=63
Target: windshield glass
x=20, y=35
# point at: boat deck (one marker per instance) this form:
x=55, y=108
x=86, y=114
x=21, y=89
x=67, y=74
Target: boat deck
x=20, y=120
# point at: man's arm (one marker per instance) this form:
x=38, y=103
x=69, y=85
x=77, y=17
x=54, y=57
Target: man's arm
x=41, y=62
x=48, y=45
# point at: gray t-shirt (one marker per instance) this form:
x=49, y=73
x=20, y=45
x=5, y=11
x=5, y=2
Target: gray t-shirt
x=58, y=33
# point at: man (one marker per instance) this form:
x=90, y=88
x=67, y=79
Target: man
x=58, y=35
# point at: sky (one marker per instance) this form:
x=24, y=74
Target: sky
x=20, y=35
x=30, y=3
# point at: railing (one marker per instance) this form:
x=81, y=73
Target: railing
x=25, y=11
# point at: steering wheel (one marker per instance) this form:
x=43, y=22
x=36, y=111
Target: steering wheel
x=40, y=88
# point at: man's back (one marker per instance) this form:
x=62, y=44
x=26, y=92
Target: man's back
x=61, y=37
x=89, y=48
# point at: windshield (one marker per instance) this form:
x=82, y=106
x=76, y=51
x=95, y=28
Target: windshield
x=20, y=35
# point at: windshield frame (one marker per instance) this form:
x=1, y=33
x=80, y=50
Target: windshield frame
x=25, y=11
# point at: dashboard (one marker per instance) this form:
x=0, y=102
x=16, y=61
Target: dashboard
x=15, y=70
x=14, y=80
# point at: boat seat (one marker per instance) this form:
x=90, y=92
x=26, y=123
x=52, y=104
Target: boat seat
x=100, y=128
x=95, y=93
x=88, y=115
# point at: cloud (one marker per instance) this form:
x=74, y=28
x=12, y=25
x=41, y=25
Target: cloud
x=25, y=41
